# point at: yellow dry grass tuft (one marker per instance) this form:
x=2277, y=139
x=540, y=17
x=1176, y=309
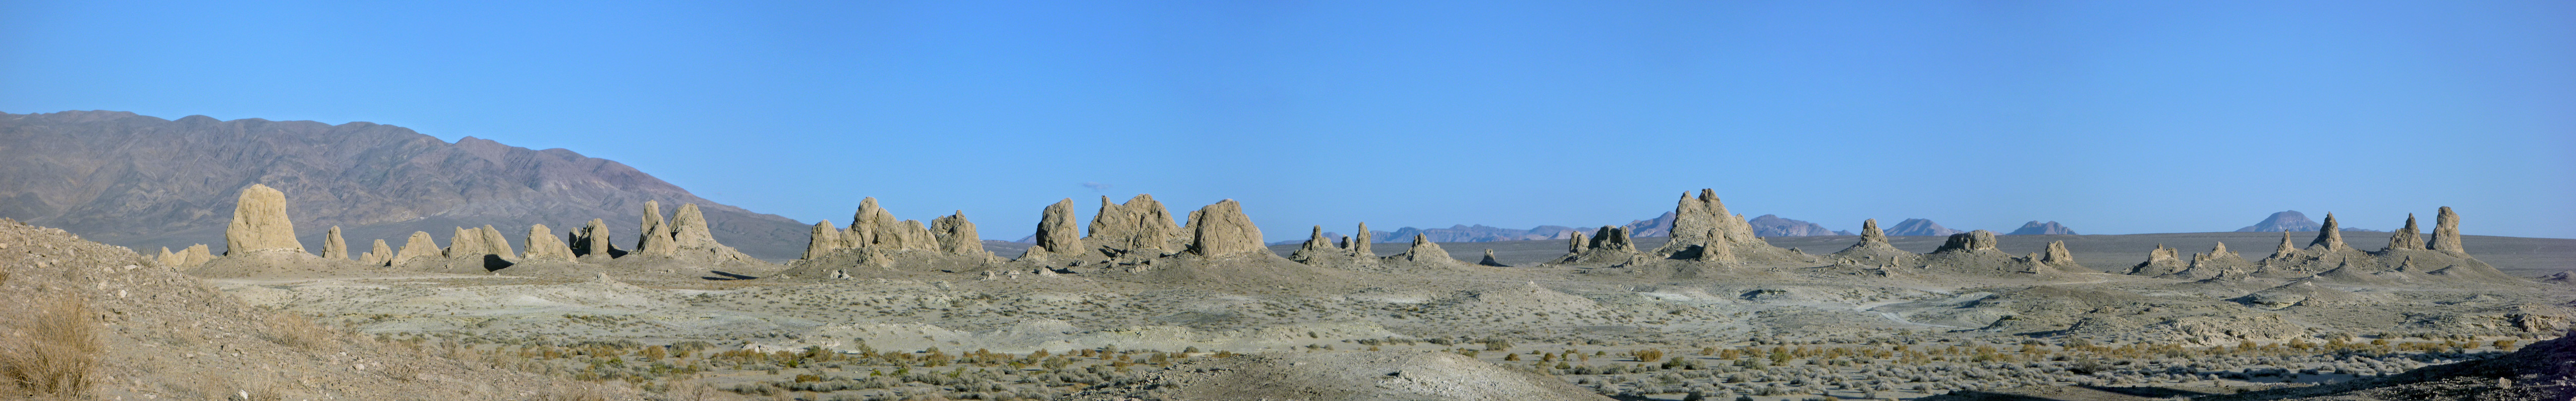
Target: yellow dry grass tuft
x=52, y=352
x=294, y=331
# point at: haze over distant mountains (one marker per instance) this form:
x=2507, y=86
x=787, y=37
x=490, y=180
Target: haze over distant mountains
x=2292, y=221
x=145, y=182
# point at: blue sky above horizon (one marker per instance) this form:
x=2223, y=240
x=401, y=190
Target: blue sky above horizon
x=2109, y=117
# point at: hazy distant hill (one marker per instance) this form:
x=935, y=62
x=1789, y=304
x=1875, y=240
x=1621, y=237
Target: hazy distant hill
x=145, y=182
x=1920, y=227
x=2293, y=221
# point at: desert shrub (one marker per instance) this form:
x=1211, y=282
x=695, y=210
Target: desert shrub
x=295, y=331
x=52, y=352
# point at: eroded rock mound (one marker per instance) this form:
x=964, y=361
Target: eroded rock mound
x=542, y=245
x=1221, y=229
x=1056, y=232
x=1141, y=226
x=260, y=223
x=2328, y=258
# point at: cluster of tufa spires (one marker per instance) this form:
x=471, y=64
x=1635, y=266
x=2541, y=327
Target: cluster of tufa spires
x=260, y=225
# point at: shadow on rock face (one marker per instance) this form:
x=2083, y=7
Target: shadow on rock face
x=494, y=262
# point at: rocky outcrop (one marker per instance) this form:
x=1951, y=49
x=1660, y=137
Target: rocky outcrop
x=690, y=238
x=419, y=246
x=466, y=242
x=1968, y=241
x=2329, y=236
x=873, y=229
x=1424, y=251
x=333, y=246
x=1222, y=229
x=168, y=259
x=2034, y=227
x=593, y=239
x=379, y=255
x=1873, y=251
x=655, y=238
x=1358, y=245
x=2405, y=237
x=2057, y=256
x=2160, y=262
x=2218, y=263
x=542, y=245
x=260, y=223
x=1056, y=232
x=495, y=244
x=1608, y=244
x=2284, y=221
x=1920, y=227
x=1702, y=225
x=1316, y=248
x=2446, y=232
x=1489, y=260
x=957, y=236
x=1141, y=226
x=825, y=240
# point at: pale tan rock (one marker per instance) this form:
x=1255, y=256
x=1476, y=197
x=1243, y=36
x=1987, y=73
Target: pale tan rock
x=419, y=246
x=2285, y=248
x=2329, y=236
x=2161, y=261
x=2057, y=255
x=1140, y=226
x=1423, y=250
x=1222, y=229
x=495, y=244
x=378, y=255
x=874, y=228
x=593, y=239
x=195, y=255
x=1359, y=244
x=260, y=222
x=2406, y=237
x=334, y=247
x=957, y=236
x=655, y=238
x=1869, y=232
x=466, y=242
x=169, y=259
x=1316, y=248
x=1614, y=239
x=1577, y=243
x=542, y=245
x=1693, y=225
x=1489, y=260
x=2446, y=231
x=1968, y=241
x=689, y=229
x=1056, y=232
x=825, y=239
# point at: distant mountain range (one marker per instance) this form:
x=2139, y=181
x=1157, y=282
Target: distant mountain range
x=2034, y=227
x=145, y=182
x=1922, y=227
x=2293, y=221
x=1660, y=226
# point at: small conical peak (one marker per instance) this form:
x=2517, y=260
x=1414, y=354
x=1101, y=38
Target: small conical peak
x=1869, y=231
x=2329, y=235
x=2220, y=249
x=2446, y=231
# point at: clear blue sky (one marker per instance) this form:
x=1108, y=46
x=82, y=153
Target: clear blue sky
x=2111, y=117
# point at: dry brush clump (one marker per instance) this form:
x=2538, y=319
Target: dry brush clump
x=51, y=351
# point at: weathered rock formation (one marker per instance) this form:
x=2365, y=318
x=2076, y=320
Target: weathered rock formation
x=419, y=246
x=195, y=255
x=1141, y=226
x=168, y=259
x=260, y=223
x=1056, y=232
x=1873, y=250
x=334, y=247
x=1489, y=260
x=690, y=238
x=1316, y=248
x=2446, y=232
x=1222, y=229
x=2218, y=263
x=825, y=240
x=379, y=255
x=1424, y=251
x=1920, y=227
x=495, y=244
x=1702, y=226
x=2034, y=227
x=655, y=238
x=2161, y=262
x=1970, y=241
x=1359, y=244
x=2327, y=258
x=957, y=236
x=2057, y=256
x=593, y=239
x=466, y=242
x=2405, y=237
x=1608, y=244
x=542, y=245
